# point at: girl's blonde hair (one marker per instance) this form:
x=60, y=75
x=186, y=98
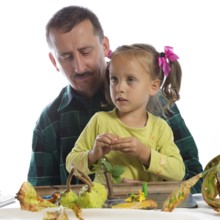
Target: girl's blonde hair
x=148, y=58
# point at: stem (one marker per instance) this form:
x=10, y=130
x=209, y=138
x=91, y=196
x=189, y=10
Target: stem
x=109, y=185
x=79, y=174
x=85, y=178
x=68, y=184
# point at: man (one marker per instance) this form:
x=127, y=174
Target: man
x=78, y=50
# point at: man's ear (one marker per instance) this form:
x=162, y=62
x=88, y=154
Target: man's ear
x=155, y=86
x=106, y=46
x=53, y=61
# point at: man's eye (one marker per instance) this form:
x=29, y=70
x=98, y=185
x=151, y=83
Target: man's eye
x=66, y=57
x=86, y=51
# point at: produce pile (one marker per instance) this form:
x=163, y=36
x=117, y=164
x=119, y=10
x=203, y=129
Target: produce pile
x=94, y=195
x=138, y=201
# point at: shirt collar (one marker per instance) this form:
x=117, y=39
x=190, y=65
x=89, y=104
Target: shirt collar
x=69, y=94
x=66, y=98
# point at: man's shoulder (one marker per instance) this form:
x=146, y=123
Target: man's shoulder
x=55, y=104
x=50, y=112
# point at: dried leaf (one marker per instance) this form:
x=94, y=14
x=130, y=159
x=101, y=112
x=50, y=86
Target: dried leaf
x=56, y=215
x=146, y=204
x=30, y=200
x=211, y=184
x=78, y=211
x=178, y=195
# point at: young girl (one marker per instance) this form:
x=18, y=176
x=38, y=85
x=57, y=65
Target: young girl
x=130, y=135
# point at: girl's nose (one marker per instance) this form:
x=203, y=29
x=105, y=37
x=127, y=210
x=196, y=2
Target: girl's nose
x=120, y=87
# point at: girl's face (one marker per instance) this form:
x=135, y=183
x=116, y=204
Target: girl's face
x=130, y=84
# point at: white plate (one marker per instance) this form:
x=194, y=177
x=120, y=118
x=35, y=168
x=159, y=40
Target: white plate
x=100, y=214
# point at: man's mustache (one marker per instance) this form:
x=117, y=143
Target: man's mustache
x=83, y=74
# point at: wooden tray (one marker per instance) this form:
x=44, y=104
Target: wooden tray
x=157, y=191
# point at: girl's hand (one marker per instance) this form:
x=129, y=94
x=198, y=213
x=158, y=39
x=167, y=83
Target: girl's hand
x=126, y=180
x=101, y=146
x=133, y=147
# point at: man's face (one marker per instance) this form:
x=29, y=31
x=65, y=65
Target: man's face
x=80, y=55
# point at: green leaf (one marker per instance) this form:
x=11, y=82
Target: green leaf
x=117, y=171
x=107, y=165
x=96, y=167
x=145, y=189
x=117, y=179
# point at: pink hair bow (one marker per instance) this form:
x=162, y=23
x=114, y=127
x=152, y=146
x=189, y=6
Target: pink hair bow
x=165, y=59
x=109, y=55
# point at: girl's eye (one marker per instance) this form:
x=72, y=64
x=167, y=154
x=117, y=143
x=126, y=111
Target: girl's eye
x=113, y=79
x=130, y=79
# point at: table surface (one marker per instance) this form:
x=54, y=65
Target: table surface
x=203, y=211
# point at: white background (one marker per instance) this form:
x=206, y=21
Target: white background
x=28, y=80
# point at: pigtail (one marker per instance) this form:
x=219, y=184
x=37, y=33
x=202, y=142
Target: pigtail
x=108, y=99
x=172, y=72
x=171, y=85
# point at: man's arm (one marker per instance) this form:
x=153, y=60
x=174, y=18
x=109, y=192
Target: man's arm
x=187, y=146
x=44, y=164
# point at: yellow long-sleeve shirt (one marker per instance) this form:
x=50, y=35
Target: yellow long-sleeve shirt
x=166, y=162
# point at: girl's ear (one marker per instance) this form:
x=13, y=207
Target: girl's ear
x=155, y=86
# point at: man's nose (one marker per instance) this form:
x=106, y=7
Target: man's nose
x=79, y=65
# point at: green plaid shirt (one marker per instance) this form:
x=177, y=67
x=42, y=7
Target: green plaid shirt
x=61, y=123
